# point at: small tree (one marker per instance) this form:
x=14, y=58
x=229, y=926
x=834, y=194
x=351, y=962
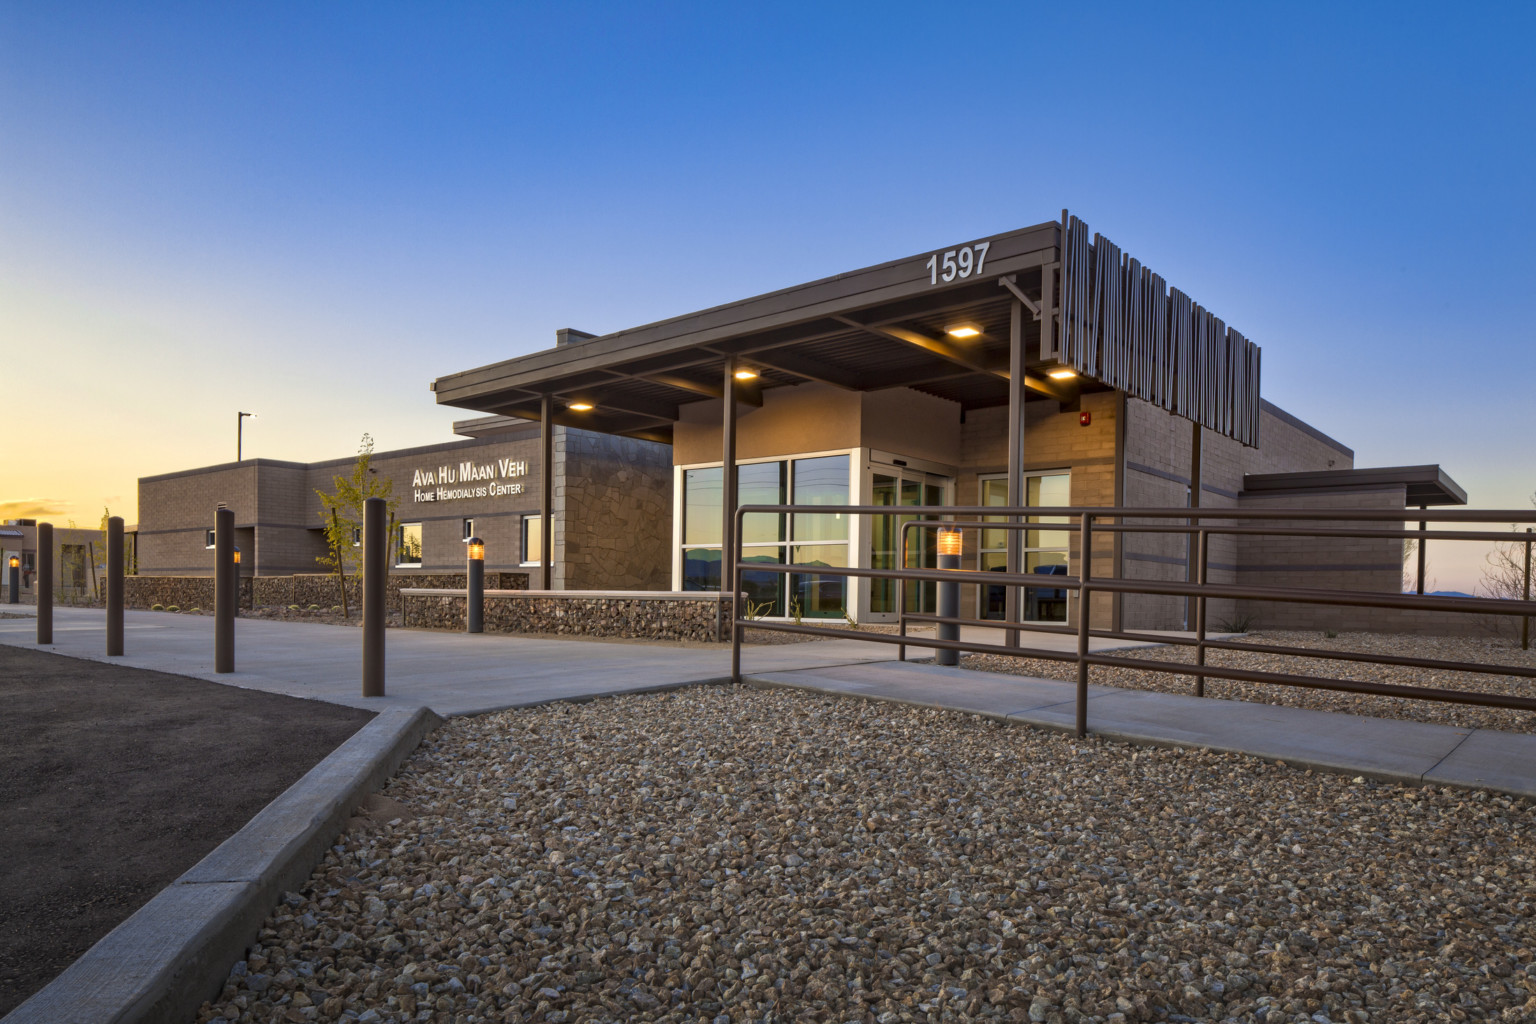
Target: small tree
x=343, y=518
x=1504, y=572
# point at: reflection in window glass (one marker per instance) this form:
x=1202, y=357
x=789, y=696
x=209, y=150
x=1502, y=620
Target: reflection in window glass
x=701, y=505
x=408, y=544
x=760, y=483
x=701, y=569
x=533, y=539
x=822, y=481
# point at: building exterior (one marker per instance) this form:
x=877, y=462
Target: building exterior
x=79, y=561
x=611, y=507
x=1038, y=367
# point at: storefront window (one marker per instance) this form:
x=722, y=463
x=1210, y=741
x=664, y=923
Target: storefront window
x=1045, y=551
x=408, y=545
x=813, y=538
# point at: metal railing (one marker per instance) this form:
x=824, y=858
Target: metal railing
x=1201, y=524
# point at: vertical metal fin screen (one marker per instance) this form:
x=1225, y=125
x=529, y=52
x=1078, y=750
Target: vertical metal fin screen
x=1121, y=324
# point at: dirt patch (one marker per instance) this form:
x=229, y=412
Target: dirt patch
x=114, y=781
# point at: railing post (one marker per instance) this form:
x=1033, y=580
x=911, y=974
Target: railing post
x=1084, y=572
x=115, y=586
x=735, y=628
x=1203, y=549
x=1525, y=621
x=901, y=588
x=1422, y=527
x=374, y=586
x=45, y=583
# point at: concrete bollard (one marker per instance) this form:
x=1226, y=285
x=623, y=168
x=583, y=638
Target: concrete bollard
x=115, y=586
x=375, y=579
x=223, y=607
x=45, y=583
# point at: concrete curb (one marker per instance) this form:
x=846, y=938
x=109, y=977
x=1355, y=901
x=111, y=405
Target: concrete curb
x=174, y=953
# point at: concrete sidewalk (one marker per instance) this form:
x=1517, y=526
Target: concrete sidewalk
x=456, y=674
x=1414, y=753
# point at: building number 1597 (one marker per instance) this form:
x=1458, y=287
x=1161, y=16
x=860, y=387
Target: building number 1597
x=961, y=262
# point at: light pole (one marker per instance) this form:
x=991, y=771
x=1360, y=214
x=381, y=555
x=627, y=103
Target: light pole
x=240, y=432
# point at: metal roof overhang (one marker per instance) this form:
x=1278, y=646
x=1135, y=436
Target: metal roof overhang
x=865, y=330
x=1424, y=485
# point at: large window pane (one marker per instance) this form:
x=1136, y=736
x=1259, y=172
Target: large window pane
x=761, y=483
x=820, y=596
x=701, y=569
x=701, y=505
x=822, y=481
x=408, y=544
x=764, y=591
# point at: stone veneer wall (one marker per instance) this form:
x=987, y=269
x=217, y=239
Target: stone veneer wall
x=613, y=513
x=630, y=616
x=303, y=590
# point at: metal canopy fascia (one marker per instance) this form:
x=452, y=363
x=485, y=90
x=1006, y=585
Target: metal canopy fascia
x=732, y=328
x=1423, y=485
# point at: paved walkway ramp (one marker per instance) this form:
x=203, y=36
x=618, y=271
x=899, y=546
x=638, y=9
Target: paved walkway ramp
x=1379, y=748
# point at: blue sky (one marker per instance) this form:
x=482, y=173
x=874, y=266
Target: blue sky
x=309, y=211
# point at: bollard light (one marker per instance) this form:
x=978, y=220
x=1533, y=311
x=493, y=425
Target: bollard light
x=950, y=542
x=237, y=556
x=949, y=545
x=474, y=587
x=15, y=562
x=14, y=583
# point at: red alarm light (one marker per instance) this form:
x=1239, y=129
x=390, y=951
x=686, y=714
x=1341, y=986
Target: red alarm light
x=1084, y=418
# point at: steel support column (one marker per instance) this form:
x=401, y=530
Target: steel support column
x=1196, y=432
x=546, y=490
x=1016, y=362
x=728, y=500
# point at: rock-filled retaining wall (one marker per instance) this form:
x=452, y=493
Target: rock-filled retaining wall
x=635, y=615
x=303, y=590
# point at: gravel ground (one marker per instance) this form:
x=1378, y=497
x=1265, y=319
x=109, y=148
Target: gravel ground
x=1485, y=651
x=726, y=854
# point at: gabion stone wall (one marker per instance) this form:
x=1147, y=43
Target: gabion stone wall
x=627, y=616
x=303, y=589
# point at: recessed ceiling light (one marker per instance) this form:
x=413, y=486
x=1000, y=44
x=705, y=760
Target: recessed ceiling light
x=746, y=374
x=1062, y=374
x=579, y=406
x=963, y=331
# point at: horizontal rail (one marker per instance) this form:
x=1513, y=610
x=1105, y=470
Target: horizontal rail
x=1200, y=524
x=1200, y=512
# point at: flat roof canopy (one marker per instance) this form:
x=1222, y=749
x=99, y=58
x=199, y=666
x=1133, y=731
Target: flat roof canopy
x=889, y=326
x=1425, y=485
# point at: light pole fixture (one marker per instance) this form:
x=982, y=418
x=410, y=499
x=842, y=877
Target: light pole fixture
x=474, y=586
x=240, y=432
x=950, y=544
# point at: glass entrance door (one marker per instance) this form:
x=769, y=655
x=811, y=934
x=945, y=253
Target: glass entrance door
x=897, y=486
